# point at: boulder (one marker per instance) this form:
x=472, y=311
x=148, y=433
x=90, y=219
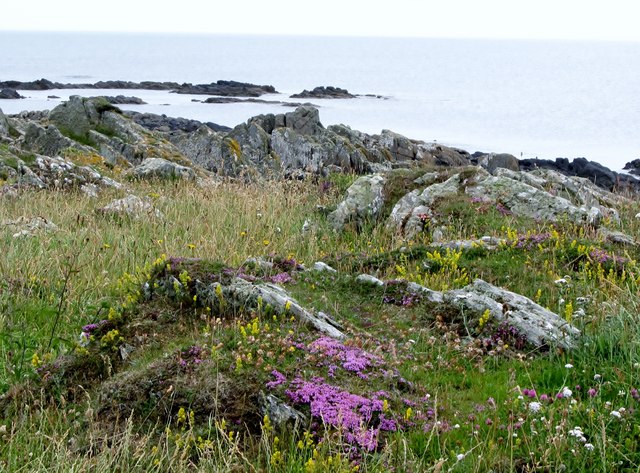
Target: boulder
x=24, y=226
x=619, y=238
x=304, y=120
x=546, y=197
x=10, y=94
x=363, y=203
x=48, y=140
x=282, y=416
x=538, y=325
x=492, y=161
x=130, y=206
x=633, y=167
x=123, y=100
x=158, y=168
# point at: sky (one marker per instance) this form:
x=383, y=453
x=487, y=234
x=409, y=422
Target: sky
x=526, y=19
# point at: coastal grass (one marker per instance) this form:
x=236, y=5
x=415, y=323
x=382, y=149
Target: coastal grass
x=458, y=405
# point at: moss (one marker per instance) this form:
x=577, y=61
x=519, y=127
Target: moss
x=233, y=147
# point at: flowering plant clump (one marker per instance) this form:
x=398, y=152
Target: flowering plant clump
x=360, y=419
x=193, y=355
x=352, y=359
x=506, y=336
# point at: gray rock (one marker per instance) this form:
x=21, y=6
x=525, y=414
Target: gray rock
x=363, y=203
x=25, y=227
x=323, y=267
x=426, y=293
x=491, y=162
x=49, y=141
x=540, y=326
x=368, y=279
x=158, y=168
x=130, y=206
x=304, y=120
x=487, y=242
x=241, y=294
x=619, y=238
x=329, y=92
x=4, y=124
x=281, y=416
x=10, y=94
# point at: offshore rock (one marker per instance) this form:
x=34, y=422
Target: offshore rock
x=363, y=203
x=10, y=94
x=329, y=92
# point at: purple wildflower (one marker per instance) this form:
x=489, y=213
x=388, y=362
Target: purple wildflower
x=279, y=379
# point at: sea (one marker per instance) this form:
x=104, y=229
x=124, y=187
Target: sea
x=542, y=99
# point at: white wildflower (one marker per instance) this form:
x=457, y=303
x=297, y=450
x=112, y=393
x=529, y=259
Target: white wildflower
x=589, y=446
x=616, y=414
x=568, y=366
x=566, y=392
x=535, y=406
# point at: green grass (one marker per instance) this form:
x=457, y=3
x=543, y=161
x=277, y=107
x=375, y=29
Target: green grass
x=459, y=405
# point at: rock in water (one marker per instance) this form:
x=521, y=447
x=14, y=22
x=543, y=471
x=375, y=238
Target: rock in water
x=10, y=94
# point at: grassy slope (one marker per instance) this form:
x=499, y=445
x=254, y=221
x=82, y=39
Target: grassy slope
x=458, y=404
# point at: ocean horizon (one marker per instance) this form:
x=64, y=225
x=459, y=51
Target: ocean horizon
x=542, y=99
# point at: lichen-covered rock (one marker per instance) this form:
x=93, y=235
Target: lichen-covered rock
x=493, y=161
x=363, y=203
x=48, y=141
x=545, y=196
x=4, y=124
x=25, y=227
x=158, y=168
x=538, y=325
x=130, y=206
x=280, y=414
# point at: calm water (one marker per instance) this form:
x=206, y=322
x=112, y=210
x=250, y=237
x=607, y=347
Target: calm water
x=528, y=98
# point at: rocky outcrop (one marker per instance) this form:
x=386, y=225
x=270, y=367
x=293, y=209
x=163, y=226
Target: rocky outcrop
x=123, y=100
x=4, y=124
x=152, y=121
x=10, y=94
x=493, y=161
x=48, y=140
x=329, y=92
x=580, y=167
x=542, y=195
x=158, y=168
x=221, y=87
x=633, y=167
x=363, y=203
x=286, y=144
x=539, y=326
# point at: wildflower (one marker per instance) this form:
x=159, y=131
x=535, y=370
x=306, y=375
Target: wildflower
x=535, y=406
x=460, y=456
x=616, y=414
x=596, y=377
x=589, y=446
x=568, y=366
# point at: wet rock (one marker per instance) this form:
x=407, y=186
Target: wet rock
x=363, y=203
x=130, y=206
x=158, y=168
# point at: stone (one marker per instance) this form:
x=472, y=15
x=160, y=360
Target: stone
x=304, y=120
x=370, y=280
x=10, y=94
x=130, y=206
x=362, y=204
x=282, y=416
x=158, y=168
x=49, y=141
x=487, y=242
x=329, y=92
x=493, y=161
x=538, y=325
x=26, y=227
x=4, y=124
x=322, y=267
x=122, y=100
x=615, y=237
